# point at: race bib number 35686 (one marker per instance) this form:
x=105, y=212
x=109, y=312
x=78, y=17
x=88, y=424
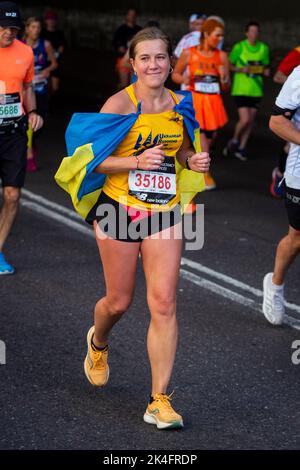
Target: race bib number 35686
x=10, y=106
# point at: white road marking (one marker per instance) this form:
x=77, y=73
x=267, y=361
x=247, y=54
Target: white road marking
x=216, y=288
x=230, y=280
x=70, y=218
x=233, y=296
x=58, y=217
x=220, y=276
x=51, y=205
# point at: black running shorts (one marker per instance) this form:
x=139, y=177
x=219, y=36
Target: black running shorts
x=120, y=226
x=247, y=101
x=13, y=156
x=292, y=204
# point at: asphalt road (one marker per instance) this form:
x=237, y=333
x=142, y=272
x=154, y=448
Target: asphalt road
x=234, y=380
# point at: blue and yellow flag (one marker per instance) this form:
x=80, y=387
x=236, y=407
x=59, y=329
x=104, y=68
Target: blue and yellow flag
x=92, y=137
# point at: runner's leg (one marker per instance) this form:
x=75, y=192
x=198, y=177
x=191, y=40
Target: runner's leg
x=242, y=123
x=119, y=260
x=205, y=142
x=11, y=197
x=245, y=134
x=161, y=263
x=287, y=250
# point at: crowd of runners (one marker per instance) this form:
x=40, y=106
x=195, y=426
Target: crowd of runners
x=150, y=156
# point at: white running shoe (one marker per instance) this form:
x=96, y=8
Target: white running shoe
x=273, y=304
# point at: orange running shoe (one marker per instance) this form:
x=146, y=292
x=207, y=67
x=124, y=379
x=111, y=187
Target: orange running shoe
x=161, y=413
x=95, y=365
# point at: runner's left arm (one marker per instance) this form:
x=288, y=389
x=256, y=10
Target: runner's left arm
x=197, y=161
x=266, y=62
x=34, y=119
x=285, y=129
x=51, y=59
x=224, y=71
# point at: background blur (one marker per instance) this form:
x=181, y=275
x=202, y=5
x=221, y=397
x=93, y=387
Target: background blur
x=88, y=66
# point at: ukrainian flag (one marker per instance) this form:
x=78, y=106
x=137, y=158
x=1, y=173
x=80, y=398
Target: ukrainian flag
x=92, y=137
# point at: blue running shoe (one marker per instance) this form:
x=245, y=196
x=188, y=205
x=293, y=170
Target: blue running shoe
x=277, y=189
x=5, y=267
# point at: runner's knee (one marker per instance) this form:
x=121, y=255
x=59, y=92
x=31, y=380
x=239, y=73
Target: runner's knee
x=118, y=305
x=296, y=241
x=245, y=121
x=294, y=238
x=162, y=304
x=11, y=196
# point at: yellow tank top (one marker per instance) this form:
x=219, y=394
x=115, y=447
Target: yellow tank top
x=149, y=130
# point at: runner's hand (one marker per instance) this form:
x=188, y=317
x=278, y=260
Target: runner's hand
x=186, y=80
x=44, y=74
x=151, y=159
x=244, y=69
x=200, y=162
x=35, y=121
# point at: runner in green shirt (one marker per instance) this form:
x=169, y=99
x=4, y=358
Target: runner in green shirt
x=250, y=63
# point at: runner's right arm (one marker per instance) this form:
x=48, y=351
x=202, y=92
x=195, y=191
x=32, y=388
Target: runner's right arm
x=234, y=57
x=51, y=59
x=150, y=159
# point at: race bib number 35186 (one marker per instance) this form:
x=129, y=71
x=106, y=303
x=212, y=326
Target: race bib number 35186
x=154, y=187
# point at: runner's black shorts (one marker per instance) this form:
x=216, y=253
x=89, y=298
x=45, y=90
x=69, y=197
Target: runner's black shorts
x=120, y=226
x=13, y=156
x=292, y=204
x=247, y=101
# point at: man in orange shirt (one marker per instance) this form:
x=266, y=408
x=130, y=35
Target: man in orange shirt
x=17, y=109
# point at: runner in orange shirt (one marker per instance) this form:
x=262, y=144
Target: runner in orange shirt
x=208, y=74
x=16, y=99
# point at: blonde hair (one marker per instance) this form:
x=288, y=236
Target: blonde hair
x=149, y=34
x=29, y=21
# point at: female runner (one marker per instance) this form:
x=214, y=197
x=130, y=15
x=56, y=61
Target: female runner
x=141, y=190
x=208, y=74
x=44, y=63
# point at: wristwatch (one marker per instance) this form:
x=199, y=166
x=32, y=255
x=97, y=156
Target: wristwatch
x=32, y=111
x=187, y=163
